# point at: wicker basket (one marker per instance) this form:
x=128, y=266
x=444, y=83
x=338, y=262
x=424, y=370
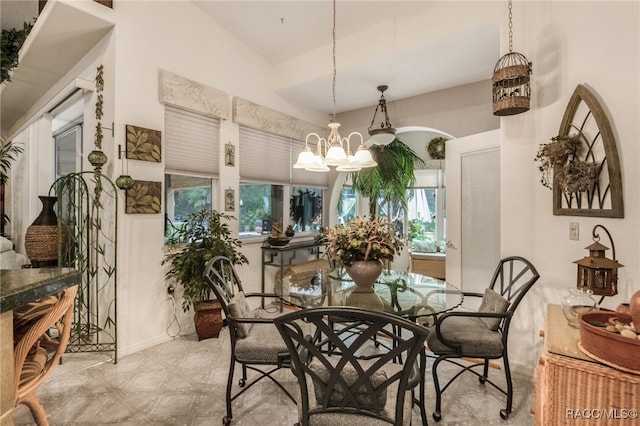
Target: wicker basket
x=41, y=243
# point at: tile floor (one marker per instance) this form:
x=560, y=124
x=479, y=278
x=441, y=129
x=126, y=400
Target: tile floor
x=182, y=382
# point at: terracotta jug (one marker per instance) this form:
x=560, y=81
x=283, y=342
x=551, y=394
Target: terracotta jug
x=634, y=308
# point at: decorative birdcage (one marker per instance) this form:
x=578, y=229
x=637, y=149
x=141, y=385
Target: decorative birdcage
x=511, y=81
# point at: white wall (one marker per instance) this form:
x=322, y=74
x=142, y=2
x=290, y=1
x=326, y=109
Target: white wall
x=569, y=43
x=177, y=37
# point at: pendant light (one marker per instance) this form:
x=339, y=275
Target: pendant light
x=385, y=134
x=330, y=151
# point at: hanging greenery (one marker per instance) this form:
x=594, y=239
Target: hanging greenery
x=391, y=178
x=12, y=41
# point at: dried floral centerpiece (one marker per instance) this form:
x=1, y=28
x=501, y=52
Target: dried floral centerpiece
x=362, y=239
x=560, y=156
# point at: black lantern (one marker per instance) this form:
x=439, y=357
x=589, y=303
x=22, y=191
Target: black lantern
x=597, y=272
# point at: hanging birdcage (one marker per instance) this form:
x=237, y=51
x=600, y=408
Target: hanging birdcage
x=511, y=85
x=511, y=81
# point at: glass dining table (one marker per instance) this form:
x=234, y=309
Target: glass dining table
x=406, y=294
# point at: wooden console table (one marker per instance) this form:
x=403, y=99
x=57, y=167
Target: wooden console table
x=19, y=287
x=573, y=389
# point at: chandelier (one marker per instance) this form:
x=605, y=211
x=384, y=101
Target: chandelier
x=330, y=151
x=385, y=134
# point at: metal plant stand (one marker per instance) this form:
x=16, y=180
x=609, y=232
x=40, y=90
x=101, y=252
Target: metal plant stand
x=88, y=208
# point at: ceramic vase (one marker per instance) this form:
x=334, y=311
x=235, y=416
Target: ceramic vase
x=634, y=310
x=364, y=274
x=41, y=238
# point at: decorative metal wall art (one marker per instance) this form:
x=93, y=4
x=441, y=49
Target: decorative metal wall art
x=229, y=154
x=143, y=144
x=585, y=119
x=229, y=200
x=144, y=197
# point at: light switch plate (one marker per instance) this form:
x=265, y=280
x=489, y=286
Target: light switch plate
x=574, y=231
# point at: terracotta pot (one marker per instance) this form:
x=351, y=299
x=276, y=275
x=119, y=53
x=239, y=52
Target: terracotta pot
x=634, y=310
x=364, y=274
x=207, y=319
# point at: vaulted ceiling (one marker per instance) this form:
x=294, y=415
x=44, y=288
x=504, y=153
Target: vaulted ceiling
x=414, y=47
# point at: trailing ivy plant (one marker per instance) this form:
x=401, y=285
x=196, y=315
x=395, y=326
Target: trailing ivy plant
x=12, y=41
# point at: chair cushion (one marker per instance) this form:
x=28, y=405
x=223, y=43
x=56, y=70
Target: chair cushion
x=471, y=333
x=262, y=345
x=494, y=303
x=350, y=375
x=239, y=308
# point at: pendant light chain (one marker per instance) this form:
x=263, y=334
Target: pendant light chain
x=333, y=88
x=510, y=30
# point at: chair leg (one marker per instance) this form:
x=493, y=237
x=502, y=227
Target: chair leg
x=507, y=373
x=243, y=380
x=36, y=408
x=422, y=397
x=437, y=414
x=227, y=419
x=485, y=372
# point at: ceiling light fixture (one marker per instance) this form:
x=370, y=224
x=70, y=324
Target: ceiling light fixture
x=385, y=134
x=331, y=151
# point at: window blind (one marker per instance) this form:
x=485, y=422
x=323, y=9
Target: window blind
x=191, y=142
x=266, y=157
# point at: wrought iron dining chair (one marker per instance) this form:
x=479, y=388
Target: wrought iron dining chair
x=37, y=349
x=345, y=374
x=255, y=342
x=470, y=340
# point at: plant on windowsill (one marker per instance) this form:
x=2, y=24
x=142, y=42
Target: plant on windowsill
x=205, y=234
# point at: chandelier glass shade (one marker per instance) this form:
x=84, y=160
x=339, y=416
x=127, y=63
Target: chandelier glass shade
x=385, y=134
x=330, y=151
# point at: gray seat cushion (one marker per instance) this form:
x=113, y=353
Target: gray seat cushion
x=475, y=338
x=262, y=344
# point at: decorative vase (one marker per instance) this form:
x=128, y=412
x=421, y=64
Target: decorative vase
x=41, y=238
x=364, y=274
x=634, y=310
x=290, y=232
x=623, y=312
x=577, y=302
x=207, y=319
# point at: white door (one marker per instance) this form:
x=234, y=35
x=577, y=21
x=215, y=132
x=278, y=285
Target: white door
x=473, y=209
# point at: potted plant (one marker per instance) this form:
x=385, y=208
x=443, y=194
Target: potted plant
x=392, y=176
x=204, y=235
x=560, y=156
x=360, y=246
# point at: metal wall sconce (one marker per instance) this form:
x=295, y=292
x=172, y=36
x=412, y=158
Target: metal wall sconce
x=124, y=181
x=597, y=272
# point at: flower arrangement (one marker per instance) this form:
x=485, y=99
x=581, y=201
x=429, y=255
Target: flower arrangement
x=362, y=239
x=560, y=155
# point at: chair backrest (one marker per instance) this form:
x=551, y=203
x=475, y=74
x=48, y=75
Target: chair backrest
x=222, y=277
x=349, y=361
x=513, y=278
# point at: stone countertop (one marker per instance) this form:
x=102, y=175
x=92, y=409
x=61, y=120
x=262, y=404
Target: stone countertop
x=20, y=286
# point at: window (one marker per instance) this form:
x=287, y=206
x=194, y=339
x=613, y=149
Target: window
x=305, y=208
x=267, y=180
x=68, y=145
x=192, y=142
x=184, y=195
x=347, y=205
x=426, y=220
x=261, y=205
